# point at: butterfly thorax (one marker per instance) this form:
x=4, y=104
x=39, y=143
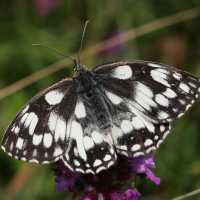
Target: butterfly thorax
x=91, y=94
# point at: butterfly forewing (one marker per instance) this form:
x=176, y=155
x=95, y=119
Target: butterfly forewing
x=39, y=132
x=159, y=92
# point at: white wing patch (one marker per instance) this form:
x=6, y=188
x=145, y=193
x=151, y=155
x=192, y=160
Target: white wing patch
x=143, y=96
x=33, y=124
x=16, y=129
x=137, y=123
x=29, y=119
x=159, y=77
x=60, y=129
x=37, y=139
x=146, y=90
x=114, y=98
x=88, y=143
x=20, y=143
x=78, y=132
x=177, y=76
x=163, y=101
x=54, y=97
x=80, y=109
x=126, y=126
x=97, y=137
x=184, y=87
x=52, y=121
x=148, y=142
x=122, y=72
x=170, y=93
x=47, y=141
x=57, y=151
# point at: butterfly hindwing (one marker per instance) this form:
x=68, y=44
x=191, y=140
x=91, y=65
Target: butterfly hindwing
x=89, y=149
x=39, y=132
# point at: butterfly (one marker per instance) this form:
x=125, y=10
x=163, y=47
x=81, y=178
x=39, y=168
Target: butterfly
x=122, y=107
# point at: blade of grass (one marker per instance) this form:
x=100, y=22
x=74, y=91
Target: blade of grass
x=187, y=195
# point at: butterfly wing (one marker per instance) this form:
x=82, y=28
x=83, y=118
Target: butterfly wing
x=39, y=132
x=89, y=149
x=159, y=92
x=132, y=133
x=55, y=125
x=143, y=98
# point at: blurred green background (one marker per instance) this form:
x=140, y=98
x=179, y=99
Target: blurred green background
x=59, y=25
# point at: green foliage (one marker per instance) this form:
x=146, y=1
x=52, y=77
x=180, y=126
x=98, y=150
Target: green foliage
x=178, y=158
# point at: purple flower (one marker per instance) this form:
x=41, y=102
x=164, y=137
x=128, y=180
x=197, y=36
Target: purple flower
x=67, y=179
x=132, y=194
x=129, y=195
x=142, y=164
x=108, y=184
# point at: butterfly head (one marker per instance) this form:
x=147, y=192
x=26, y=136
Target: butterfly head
x=79, y=68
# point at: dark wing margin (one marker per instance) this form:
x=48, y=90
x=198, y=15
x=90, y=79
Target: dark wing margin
x=39, y=132
x=158, y=91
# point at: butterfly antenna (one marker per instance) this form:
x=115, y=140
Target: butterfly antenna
x=82, y=41
x=54, y=51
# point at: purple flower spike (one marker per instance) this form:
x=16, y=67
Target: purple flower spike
x=129, y=195
x=153, y=178
x=108, y=184
x=141, y=166
x=116, y=196
x=67, y=179
x=132, y=194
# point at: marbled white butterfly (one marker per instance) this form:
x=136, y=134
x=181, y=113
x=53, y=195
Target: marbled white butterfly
x=122, y=107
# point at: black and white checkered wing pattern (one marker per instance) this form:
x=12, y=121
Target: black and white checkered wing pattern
x=89, y=149
x=143, y=98
x=40, y=132
x=159, y=92
x=55, y=125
